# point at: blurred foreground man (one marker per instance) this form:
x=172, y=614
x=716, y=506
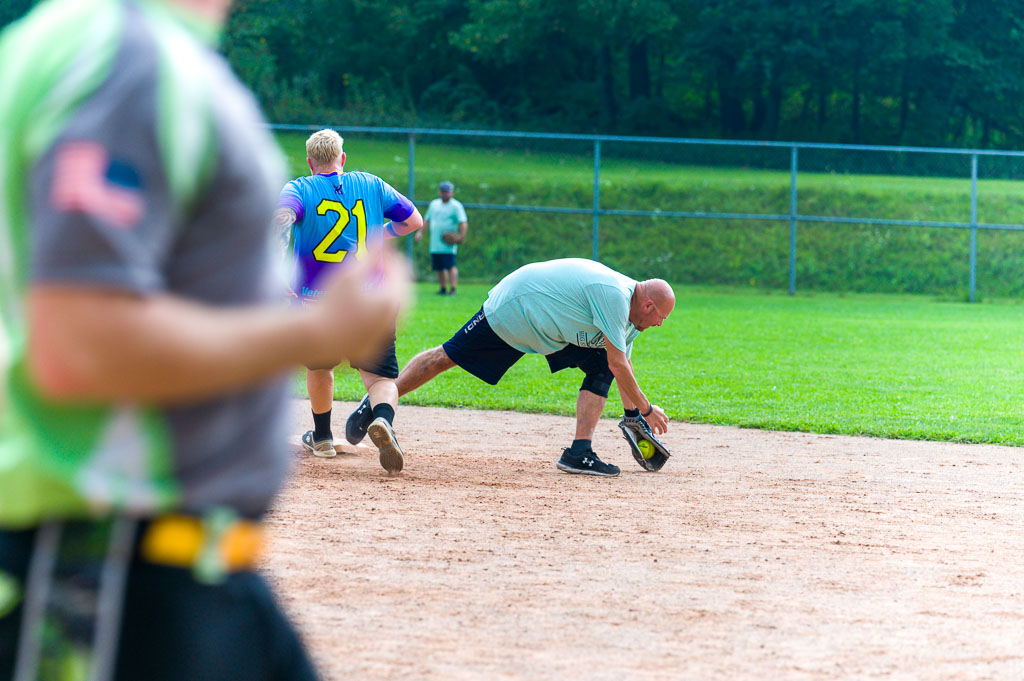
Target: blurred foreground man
x=145, y=397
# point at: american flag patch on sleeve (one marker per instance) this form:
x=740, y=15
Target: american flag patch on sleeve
x=87, y=181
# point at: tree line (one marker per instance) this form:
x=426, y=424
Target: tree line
x=921, y=72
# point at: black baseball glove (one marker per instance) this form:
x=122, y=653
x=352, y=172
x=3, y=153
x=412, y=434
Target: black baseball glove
x=651, y=456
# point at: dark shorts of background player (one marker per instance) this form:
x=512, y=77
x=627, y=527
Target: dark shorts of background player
x=386, y=366
x=172, y=628
x=442, y=261
x=477, y=349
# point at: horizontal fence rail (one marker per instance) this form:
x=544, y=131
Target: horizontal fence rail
x=793, y=217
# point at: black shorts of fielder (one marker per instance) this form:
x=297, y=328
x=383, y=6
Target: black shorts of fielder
x=169, y=628
x=442, y=261
x=477, y=349
x=386, y=366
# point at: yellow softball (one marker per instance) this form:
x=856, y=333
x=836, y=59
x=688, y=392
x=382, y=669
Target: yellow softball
x=646, y=448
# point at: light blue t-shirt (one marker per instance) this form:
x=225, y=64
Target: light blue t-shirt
x=444, y=217
x=544, y=306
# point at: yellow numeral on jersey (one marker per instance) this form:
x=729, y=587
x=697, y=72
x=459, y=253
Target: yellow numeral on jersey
x=322, y=251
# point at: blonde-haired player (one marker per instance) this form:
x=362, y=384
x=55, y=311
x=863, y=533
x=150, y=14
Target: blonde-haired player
x=336, y=217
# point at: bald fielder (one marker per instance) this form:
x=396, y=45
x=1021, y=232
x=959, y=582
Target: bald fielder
x=577, y=313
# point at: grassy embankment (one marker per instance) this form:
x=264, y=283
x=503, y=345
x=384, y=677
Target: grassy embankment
x=831, y=257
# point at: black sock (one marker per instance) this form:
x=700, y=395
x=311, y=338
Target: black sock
x=322, y=426
x=632, y=413
x=384, y=411
x=580, y=446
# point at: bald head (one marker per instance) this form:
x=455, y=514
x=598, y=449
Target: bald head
x=653, y=300
x=661, y=293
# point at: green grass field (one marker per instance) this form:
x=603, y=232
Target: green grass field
x=883, y=365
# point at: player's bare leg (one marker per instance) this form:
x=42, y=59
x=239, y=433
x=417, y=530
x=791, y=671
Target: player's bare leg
x=383, y=399
x=453, y=278
x=580, y=457
x=422, y=368
x=588, y=412
x=441, y=280
x=382, y=390
x=320, y=386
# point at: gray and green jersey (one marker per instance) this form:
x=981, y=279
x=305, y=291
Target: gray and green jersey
x=545, y=306
x=444, y=217
x=131, y=159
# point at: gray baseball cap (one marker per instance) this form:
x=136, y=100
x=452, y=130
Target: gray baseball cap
x=447, y=186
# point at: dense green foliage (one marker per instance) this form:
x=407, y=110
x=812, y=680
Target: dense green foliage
x=831, y=257
x=927, y=72
x=921, y=72
x=888, y=366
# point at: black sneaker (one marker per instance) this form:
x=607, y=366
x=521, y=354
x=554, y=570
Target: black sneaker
x=358, y=421
x=586, y=463
x=321, y=448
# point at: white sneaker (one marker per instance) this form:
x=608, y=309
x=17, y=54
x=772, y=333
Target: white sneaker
x=321, y=448
x=383, y=436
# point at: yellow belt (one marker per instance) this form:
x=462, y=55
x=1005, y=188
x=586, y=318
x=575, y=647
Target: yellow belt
x=211, y=546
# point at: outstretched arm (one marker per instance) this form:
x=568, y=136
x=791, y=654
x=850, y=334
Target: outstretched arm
x=284, y=218
x=102, y=345
x=629, y=390
x=407, y=226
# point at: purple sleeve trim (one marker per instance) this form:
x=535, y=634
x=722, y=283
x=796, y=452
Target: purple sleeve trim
x=290, y=199
x=400, y=210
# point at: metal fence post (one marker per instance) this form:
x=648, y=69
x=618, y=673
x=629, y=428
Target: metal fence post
x=974, y=224
x=792, y=219
x=597, y=195
x=412, y=189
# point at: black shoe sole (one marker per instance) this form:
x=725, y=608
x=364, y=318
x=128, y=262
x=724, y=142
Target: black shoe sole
x=585, y=471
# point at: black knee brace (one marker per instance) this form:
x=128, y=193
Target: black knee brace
x=598, y=382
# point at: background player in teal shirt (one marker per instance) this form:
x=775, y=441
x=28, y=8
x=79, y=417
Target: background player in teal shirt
x=575, y=312
x=336, y=218
x=447, y=224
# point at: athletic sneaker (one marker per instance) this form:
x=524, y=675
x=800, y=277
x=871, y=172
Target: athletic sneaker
x=586, y=464
x=322, y=448
x=358, y=421
x=383, y=435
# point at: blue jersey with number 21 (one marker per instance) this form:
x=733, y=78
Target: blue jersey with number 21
x=339, y=217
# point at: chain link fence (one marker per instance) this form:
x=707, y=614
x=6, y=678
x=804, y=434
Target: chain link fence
x=765, y=214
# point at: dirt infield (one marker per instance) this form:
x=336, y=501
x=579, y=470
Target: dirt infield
x=752, y=555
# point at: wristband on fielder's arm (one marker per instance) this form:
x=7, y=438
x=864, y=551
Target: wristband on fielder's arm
x=635, y=429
